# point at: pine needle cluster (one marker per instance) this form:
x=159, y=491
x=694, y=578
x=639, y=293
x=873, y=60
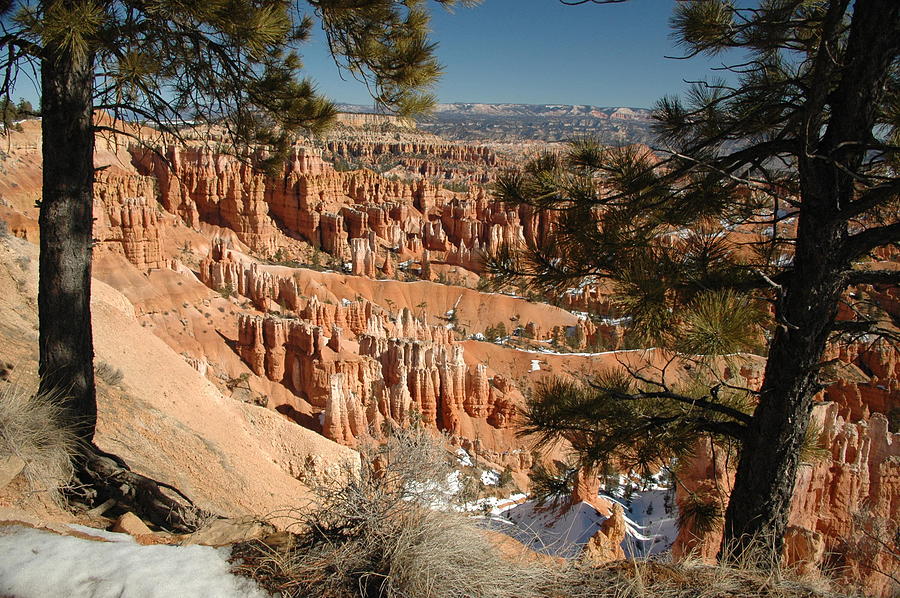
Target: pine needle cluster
x=637, y=425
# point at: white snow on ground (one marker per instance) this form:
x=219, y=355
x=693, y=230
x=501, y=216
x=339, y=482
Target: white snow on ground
x=651, y=530
x=616, y=321
x=37, y=564
x=102, y=533
x=495, y=506
x=547, y=530
x=544, y=530
x=489, y=477
x=549, y=352
x=452, y=486
x=463, y=458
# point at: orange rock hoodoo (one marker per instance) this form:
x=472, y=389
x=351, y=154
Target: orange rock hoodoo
x=356, y=362
x=331, y=210
x=127, y=218
x=353, y=365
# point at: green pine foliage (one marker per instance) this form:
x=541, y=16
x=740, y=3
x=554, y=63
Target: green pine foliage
x=553, y=483
x=11, y=112
x=496, y=332
x=225, y=72
x=674, y=272
x=701, y=514
x=640, y=426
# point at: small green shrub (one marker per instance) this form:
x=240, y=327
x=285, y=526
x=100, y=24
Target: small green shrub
x=496, y=332
x=227, y=291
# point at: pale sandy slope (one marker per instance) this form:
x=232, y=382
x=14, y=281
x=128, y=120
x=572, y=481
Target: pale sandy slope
x=164, y=418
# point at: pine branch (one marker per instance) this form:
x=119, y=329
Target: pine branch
x=702, y=403
x=666, y=392
x=872, y=198
x=823, y=61
x=858, y=245
x=857, y=329
x=730, y=429
x=888, y=277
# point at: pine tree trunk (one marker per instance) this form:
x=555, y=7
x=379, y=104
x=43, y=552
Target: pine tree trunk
x=767, y=469
x=66, y=222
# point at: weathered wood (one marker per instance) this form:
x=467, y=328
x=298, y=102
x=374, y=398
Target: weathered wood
x=110, y=479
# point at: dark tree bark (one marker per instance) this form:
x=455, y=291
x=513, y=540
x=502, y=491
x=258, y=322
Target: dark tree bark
x=764, y=482
x=66, y=222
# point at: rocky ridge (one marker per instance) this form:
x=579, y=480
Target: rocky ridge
x=479, y=122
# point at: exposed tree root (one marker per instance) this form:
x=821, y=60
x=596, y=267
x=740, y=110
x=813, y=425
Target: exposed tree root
x=102, y=477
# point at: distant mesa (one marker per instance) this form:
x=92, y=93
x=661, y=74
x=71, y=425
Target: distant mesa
x=533, y=122
x=513, y=110
x=356, y=118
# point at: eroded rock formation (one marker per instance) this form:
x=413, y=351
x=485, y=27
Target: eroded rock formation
x=127, y=218
x=357, y=216
x=606, y=544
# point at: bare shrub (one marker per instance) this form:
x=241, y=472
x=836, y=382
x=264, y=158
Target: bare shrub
x=378, y=533
x=32, y=428
x=109, y=374
x=384, y=532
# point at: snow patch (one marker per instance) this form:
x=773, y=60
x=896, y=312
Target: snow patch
x=101, y=533
x=489, y=477
x=36, y=564
x=546, y=531
x=650, y=523
x=463, y=458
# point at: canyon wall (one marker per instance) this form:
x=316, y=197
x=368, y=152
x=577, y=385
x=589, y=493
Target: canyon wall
x=362, y=119
x=360, y=365
x=347, y=366
x=327, y=209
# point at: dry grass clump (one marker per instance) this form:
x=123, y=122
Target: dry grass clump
x=376, y=534
x=689, y=579
x=32, y=428
x=109, y=374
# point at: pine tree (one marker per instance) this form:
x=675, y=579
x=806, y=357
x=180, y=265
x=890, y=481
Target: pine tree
x=231, y=63
x=769, y=195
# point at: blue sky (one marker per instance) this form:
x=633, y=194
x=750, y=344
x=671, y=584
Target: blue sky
x=537, y=52
x=543, y=52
